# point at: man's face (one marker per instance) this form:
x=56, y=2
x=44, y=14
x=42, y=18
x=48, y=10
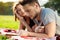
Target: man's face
x=31, y=10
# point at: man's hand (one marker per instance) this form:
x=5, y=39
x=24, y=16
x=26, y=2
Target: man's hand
x=23, y=33
x=33, y=28
x=39, y=29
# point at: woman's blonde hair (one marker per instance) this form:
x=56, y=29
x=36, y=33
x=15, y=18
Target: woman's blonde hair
x=14, y=9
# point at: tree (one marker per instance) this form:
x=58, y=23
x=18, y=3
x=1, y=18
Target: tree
x=54, y=4
x=6, y=8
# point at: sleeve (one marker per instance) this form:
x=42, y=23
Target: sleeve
x=48, y=16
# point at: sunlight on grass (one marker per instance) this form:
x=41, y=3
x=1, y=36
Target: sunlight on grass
x=8, y=22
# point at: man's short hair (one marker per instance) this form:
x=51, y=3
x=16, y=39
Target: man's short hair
x=28, y=2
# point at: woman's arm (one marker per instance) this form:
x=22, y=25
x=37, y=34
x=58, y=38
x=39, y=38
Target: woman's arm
x=23, y=22
x=21, y=26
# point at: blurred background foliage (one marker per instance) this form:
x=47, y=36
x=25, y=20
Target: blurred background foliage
x=54, y=4
x=7, y=19
x=6, y=8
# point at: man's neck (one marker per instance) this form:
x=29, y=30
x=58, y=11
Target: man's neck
x=39, y=15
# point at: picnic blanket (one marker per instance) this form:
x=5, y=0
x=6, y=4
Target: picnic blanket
x=30, y=38
x=13, y=35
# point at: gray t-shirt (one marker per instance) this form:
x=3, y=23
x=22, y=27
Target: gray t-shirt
x=48, y=15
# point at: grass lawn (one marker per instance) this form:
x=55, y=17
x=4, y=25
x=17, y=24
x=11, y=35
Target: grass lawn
x=7, y=21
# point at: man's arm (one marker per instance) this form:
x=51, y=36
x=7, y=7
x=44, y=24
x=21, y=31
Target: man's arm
x=50, y=30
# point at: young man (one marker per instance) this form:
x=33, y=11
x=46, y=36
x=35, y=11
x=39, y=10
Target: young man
x=44, y=15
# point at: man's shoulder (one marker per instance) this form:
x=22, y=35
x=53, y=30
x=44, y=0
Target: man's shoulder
x=47, y=9
x=47, y=12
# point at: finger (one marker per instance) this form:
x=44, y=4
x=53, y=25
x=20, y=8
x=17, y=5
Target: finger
x=18, y=15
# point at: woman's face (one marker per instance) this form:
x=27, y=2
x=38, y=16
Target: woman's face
x=20, y=10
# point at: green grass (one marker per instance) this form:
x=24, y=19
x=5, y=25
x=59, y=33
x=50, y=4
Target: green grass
x=7, y=21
